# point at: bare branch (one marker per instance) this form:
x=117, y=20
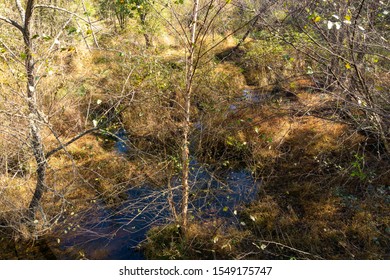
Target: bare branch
x=90, y=25
x=22, y=12
x=267, y=242
x=17, y=59
x=28, y=14
x=53, y=45
x=12, y=22
x=62, y=146
x=41, y=6
x=82, y=134
x=182, y=36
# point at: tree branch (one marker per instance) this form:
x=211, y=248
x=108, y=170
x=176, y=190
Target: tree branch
x=90, y=25
x=41, y=6
x=28, y=16
x=22, y=12
x=285, y=246
x=12, y=22
x=62, y=146
x=99, y=127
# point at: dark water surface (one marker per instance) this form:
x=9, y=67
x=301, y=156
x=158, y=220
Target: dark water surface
x=116, y=233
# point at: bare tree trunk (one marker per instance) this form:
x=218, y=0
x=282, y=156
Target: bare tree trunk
x=34, y=115
x=170, y=194
x=186, y=129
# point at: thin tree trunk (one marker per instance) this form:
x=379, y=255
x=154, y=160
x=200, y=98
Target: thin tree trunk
x=171, y=201
x=186, y=129
x=148, y=40
x=34, y=116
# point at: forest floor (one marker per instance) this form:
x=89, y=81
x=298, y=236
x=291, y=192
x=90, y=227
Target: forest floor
x=325, y=192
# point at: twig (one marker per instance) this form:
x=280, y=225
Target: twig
x=285, y=246
x=41, y=6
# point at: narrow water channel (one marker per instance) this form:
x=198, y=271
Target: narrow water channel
x=116, y=233
x=105, y=233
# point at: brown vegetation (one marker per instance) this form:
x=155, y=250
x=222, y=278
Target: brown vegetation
x=316, y=146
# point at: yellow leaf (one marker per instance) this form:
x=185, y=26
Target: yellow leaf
x=348, y=66
x=348, y=17
x=317, y=19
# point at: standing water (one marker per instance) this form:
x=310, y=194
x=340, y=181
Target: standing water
x=116, y=233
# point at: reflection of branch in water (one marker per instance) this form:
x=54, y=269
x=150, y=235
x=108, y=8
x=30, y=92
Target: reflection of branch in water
x=213, y=195
x=217, y=192
x=140, y=212
x=144, y=211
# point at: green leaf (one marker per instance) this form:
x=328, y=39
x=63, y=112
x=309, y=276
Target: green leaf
x=23, y=55
x=72, y=30
x=230, y=141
